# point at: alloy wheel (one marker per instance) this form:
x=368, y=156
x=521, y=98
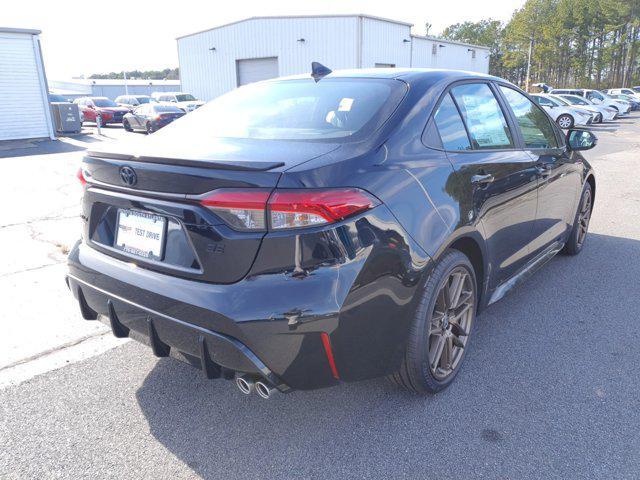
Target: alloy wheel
x=450, y=323
x=564, y=121
x=584, y=217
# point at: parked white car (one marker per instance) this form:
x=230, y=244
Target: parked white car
x=565, y=117
x=185, y=101
x=625, y=91
x=608, y=113
x=596, y=97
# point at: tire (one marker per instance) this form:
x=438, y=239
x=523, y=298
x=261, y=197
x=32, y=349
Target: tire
x=126, y=126
x=565, y=121
x=578, y=235
x=148, y=128
x=417, y=373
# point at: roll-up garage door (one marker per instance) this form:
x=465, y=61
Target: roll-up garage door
x=255, y=69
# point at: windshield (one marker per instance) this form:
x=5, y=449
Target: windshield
x=185, y=97
x=576, y=100
x=554, y=101
x=104, y=102
x=560, y=101
x=295, y=110
x=57, y=98
x=142, y=100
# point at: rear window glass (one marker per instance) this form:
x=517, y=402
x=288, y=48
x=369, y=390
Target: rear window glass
x=485, y=121
x=450, y=126
x=166, y=109
x=331, y=109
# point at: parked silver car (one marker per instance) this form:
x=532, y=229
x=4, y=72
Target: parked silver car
x=608, y=113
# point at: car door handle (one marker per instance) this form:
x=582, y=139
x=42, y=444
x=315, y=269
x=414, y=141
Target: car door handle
x=544, y=169
x=482, y=179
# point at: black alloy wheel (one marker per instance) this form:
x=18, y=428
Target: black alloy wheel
x=442, y=326
x=578, y=235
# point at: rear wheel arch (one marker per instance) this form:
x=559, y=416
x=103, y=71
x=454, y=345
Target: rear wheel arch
x=591, y=179
x=471, y=247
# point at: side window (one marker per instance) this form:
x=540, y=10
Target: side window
x=536, y=127
x=450, y=126
x=483, y=116
x=594, y=94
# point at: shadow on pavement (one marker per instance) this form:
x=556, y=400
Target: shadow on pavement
x=546, y=373
x=46, y=147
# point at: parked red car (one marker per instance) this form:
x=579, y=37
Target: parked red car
x=108, y=110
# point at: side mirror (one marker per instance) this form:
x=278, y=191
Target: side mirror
x=581, y=140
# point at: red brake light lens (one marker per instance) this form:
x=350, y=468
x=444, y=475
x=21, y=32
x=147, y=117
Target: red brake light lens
x=306, y=208
x=248, y=210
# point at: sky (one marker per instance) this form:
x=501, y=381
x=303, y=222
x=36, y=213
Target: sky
x=85, y=37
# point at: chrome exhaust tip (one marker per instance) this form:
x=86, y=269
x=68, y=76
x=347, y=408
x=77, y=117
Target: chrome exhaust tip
x=245, y=384
x=263, y=389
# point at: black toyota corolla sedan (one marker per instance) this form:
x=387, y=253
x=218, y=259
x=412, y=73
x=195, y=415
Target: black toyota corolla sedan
x=302, y=232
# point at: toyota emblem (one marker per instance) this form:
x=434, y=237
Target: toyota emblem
x=128, y=176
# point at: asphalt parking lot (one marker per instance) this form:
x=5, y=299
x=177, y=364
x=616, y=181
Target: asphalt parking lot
x=549, y=388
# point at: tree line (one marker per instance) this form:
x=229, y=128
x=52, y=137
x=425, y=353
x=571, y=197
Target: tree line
x=166, y=74
x=573, y=43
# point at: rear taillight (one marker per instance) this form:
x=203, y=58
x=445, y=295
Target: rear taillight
x=256, y=209
x=240, y=209
x=306, y=208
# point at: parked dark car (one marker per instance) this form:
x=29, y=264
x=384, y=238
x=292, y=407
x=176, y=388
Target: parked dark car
x=294, y=235
x=151, y=117
x=107, y=110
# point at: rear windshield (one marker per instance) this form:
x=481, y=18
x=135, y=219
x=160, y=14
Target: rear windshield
x=104, y=102
x=142, y=100
x=185, y=97
x=331, y=109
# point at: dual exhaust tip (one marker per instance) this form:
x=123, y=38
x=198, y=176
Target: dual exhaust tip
x=247, y=384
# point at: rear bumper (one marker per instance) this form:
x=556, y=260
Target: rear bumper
x=359, y=292
x=215, y=354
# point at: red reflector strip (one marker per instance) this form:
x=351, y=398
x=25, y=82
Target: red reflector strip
x=326, y=342
x=238, y=199
x=80, y=177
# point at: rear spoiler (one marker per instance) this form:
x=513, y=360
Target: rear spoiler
x=237, y=165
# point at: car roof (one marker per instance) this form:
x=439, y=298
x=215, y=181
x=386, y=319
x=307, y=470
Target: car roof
x=408, y=75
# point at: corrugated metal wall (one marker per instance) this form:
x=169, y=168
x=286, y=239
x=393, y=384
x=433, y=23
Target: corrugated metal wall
x=448, y=55
x=208, y=73
x=208, y=59
x=113, y=91
x=383, y=42
x=24, y=106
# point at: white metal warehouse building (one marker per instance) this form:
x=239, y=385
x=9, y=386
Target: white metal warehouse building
x=215, y=61
x=80, y=87
x=24, y=102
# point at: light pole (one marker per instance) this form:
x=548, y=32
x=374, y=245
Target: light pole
x=526, y=80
